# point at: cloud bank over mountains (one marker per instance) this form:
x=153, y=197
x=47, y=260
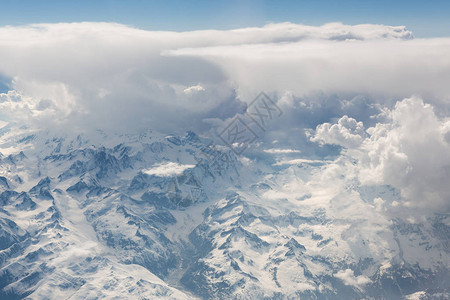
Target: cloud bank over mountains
x=372, y=90
x=112, y=76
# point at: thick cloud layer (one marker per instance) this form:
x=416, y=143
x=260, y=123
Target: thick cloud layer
x=102, y=75
x=380, y=67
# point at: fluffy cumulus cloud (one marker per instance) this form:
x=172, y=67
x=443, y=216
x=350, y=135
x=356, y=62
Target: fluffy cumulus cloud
x=410, y=151
x=347, y=133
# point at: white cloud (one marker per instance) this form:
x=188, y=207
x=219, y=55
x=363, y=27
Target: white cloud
x=410, y=151
x=281, y=151
x=167, y=169
x=113, y=76
x=347, y=133
x=298, y=161
x=348, y=277
x=383, y=67
x=193, y=89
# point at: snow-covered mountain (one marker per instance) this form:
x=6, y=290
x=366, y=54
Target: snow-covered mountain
x=175, y=217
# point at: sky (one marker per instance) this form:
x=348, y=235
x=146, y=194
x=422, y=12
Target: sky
x=424, y=18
